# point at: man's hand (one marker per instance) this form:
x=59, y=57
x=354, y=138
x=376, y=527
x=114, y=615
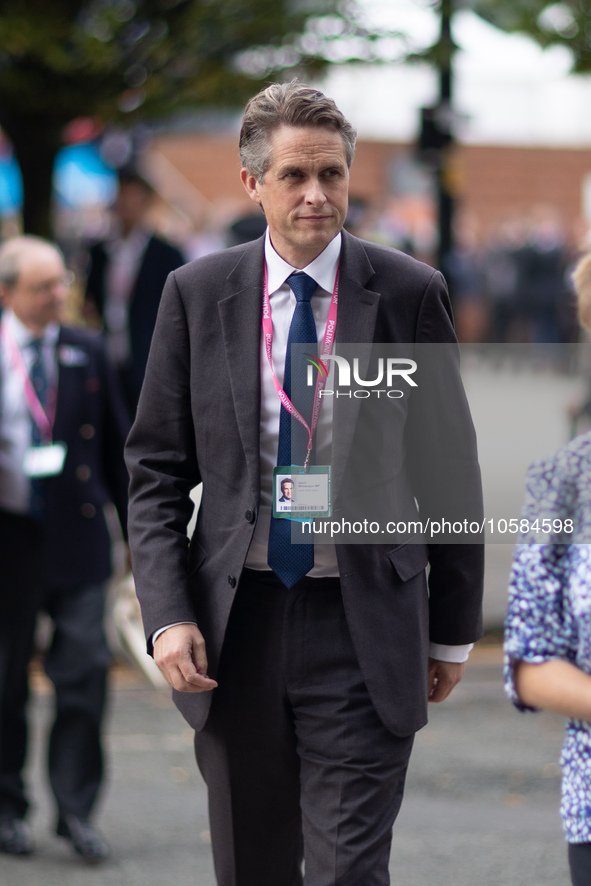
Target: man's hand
x=443, y=676
x=179, y=652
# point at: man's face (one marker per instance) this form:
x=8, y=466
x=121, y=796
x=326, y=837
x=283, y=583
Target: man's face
x=132, y=203
x=287, y=489
x=40, y=293
x=304, y=192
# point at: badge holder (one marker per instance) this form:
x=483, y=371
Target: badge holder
x=44, y=461
x=299, y=495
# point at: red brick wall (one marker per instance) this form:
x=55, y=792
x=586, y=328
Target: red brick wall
x=209, y=162
x=494, y=181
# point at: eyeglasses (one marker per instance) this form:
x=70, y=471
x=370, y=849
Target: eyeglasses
x=46, y=286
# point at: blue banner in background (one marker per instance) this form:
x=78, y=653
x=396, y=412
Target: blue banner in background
x=11, y=185
x=81, y=178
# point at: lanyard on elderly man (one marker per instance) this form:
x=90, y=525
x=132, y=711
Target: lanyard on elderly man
x=44, y=458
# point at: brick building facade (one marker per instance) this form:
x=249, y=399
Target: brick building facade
x=200, y=173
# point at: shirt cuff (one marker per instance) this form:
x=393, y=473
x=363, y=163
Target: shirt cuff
x=457, y=654
x=441, y=652
x=157, y=633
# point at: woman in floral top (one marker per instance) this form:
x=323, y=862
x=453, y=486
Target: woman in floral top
x=548, y=627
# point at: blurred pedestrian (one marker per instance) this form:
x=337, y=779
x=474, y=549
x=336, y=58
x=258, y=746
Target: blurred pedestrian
x=464, y=271
x=502, y=268
x=245, y=228
x=62, y=429
x=548, y=626
x=543, y=287
x=126, y=275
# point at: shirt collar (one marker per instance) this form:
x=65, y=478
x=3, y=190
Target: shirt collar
x=323, y=269
x=136, y=240
x=23, y=336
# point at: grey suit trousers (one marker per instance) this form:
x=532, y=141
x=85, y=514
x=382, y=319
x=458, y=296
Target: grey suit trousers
x=297, y=762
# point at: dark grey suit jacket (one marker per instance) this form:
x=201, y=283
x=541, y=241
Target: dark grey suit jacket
x=198, y=420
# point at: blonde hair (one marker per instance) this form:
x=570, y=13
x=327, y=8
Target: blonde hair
x=581, y=278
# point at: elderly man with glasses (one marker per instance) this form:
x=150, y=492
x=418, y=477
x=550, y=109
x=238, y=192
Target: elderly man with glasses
x=62, y=430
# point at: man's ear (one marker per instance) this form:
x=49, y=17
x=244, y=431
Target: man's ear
x=251, y=185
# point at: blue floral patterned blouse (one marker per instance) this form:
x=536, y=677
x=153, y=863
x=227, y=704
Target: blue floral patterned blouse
x=549, y=612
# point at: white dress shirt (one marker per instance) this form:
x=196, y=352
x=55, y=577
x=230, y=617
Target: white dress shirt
x=15, y=417
x=125, y=256
x=323, y=270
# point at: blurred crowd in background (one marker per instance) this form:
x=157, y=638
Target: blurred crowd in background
x=509, y=277
x=509, y=284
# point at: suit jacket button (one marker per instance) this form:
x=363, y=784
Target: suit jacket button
x=88, y=510
x=87, y=432
x=249, y=516
x=231, y=581
x=83, y=473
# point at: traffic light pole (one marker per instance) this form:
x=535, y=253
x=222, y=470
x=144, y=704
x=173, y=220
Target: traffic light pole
x=445, y=196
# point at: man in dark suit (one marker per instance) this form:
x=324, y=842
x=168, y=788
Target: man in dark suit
x=304, y=669
x=62, y=431
x=126, y=276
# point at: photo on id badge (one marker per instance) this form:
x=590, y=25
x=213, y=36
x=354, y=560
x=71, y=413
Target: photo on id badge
x=285, y=492
x=301, y=495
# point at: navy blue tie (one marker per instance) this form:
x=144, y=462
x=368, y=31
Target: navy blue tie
x=290, y=562
x=38, y=378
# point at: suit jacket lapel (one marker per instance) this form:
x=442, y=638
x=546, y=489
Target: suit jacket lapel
x=66, y=386
x=356, y=323
x=240, y=317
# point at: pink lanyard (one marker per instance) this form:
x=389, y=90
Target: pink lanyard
x=327, y=344
x=43, y=418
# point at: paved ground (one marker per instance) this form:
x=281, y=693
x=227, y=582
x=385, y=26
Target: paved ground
x=481, y=804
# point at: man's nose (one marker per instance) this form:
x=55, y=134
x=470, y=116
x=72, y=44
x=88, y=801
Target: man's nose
x=315, y=195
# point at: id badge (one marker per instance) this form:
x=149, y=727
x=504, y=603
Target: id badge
x=45, y=461
x=302, y=496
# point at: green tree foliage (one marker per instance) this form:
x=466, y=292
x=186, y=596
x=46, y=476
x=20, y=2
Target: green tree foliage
x=136, y=59
x=567, y=23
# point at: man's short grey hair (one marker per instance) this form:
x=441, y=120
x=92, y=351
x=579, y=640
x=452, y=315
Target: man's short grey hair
x=13, y=250
x=287, y=104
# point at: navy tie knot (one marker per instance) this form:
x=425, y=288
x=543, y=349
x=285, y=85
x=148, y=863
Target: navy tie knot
x=36, y=344
x=302, y=286
x=37, y=373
